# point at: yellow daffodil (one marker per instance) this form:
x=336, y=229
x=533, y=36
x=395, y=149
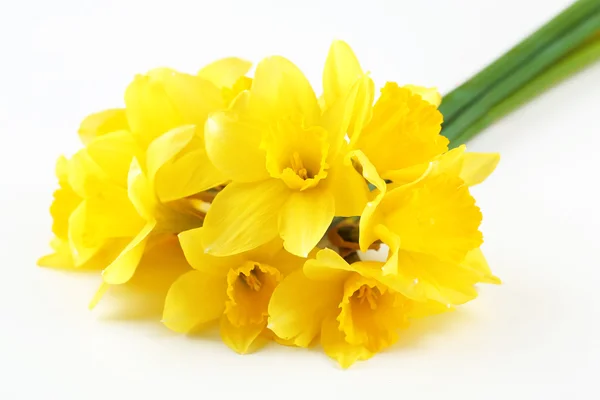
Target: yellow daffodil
x=431, y=226
x=134, y=182
x=286, y=158
x=166, y=111
x=233, y=290
x=355, y=309
x=164, y=99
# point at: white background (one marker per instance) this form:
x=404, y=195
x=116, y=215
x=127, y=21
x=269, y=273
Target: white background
x=536, y=336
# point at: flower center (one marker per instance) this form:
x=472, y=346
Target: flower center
x=298, y=166
x=249, y=289
x=251, y=280
x=368, y=294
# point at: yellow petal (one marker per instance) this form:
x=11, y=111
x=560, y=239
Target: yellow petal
x=348, y=114
x=112, y=215
x=64, y=203
x=405, y=123
x=165, y=147
x=304, y=220
x=437, y=217
x=475, y=261
x=335, y=345
x=299, y=305
x=226, y=71
x=430, y=95
x=341, y=71
x=422, y=277
x=189, y=174
x=477, y=167
x=285, y=262
x=85, y=176
x=327, y=265
x=240, y=338
x=348, y=187
x=191, y=243
x=141, y=192
x=101, y=123
x=233, y=145
x=83, y=243
x=143, y=296
x=243, y=216
x=164, y=99
x=124, y=266
x=194, y=299
x=369, y=217
x=281, y=90
x=113, y=153
x=60, y=258
x=427, y=309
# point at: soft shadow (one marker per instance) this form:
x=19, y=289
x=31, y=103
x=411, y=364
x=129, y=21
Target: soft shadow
x=422, y=329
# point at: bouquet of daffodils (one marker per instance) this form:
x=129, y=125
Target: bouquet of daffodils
x=249, y=202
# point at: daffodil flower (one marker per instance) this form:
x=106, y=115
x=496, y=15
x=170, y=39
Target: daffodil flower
x=431, y=226
x=354, y=309
x=287, y=160
x=233, y=291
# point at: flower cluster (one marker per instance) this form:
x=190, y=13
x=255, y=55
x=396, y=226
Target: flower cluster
x=249, y=201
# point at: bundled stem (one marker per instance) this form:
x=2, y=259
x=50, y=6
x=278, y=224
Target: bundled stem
x=530, y=66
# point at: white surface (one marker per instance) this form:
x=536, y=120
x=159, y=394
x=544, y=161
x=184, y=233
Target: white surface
x=536, y=336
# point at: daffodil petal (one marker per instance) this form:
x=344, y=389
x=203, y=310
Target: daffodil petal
x=240, y=338
x=85, y=176
x=477, y=167
x=243, y=216
x=82, y=244
x=421, y=277
x=226, y=71
x=421, y=309
x=190, y=174
x=101, y=123
x=430, y=95
x=281, y=90
x=113, y=153
x=233, y=145
x=112, y=215
x=165, y=147
x=369, y=217
x=141, y=191
x=124, y=266
x=143, y=296
x=348, y=187
x=341, y=71
x=304, y=220
x=194, y=299
x=299, y=305
x=475, y=261
x=447, y=229
x=327, y=265
x=191, y=243
x=164, y=99
x=335, y=345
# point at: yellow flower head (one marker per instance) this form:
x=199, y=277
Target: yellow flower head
x=234, y=291
x=286, y=157
x=355, y=309
x=431, y=226
x=143, y=167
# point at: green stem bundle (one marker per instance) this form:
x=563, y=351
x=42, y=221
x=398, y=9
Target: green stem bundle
x=557, y=50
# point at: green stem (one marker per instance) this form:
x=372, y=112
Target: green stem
x=522, y=75
x=503, y=67
x=568, y=66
